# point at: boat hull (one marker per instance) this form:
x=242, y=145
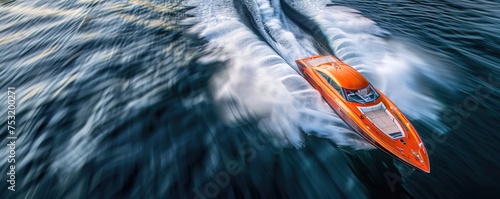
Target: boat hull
x=406, y=146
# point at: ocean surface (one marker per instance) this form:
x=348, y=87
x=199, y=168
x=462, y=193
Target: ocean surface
x=202, y=99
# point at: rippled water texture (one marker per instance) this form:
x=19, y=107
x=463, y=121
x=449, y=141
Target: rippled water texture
x=202, y=99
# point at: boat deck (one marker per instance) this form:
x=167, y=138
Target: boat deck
x=379, y=116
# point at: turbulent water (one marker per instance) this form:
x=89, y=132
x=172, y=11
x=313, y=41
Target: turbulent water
x=202, y=99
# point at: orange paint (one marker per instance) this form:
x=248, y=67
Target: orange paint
x=367, y=110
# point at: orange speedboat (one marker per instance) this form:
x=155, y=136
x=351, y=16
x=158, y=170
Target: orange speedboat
x=365, y=109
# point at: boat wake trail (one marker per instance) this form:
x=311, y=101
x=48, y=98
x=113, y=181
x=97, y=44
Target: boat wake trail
x=284, y=36
x=258, y=84
x=260, y=80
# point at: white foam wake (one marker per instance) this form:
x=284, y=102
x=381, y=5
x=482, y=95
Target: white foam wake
x=283, y=35
x=259, y=84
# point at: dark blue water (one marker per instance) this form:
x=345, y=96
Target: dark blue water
x=201, y=99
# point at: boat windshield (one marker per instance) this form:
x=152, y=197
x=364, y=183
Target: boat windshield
x=365, y=95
